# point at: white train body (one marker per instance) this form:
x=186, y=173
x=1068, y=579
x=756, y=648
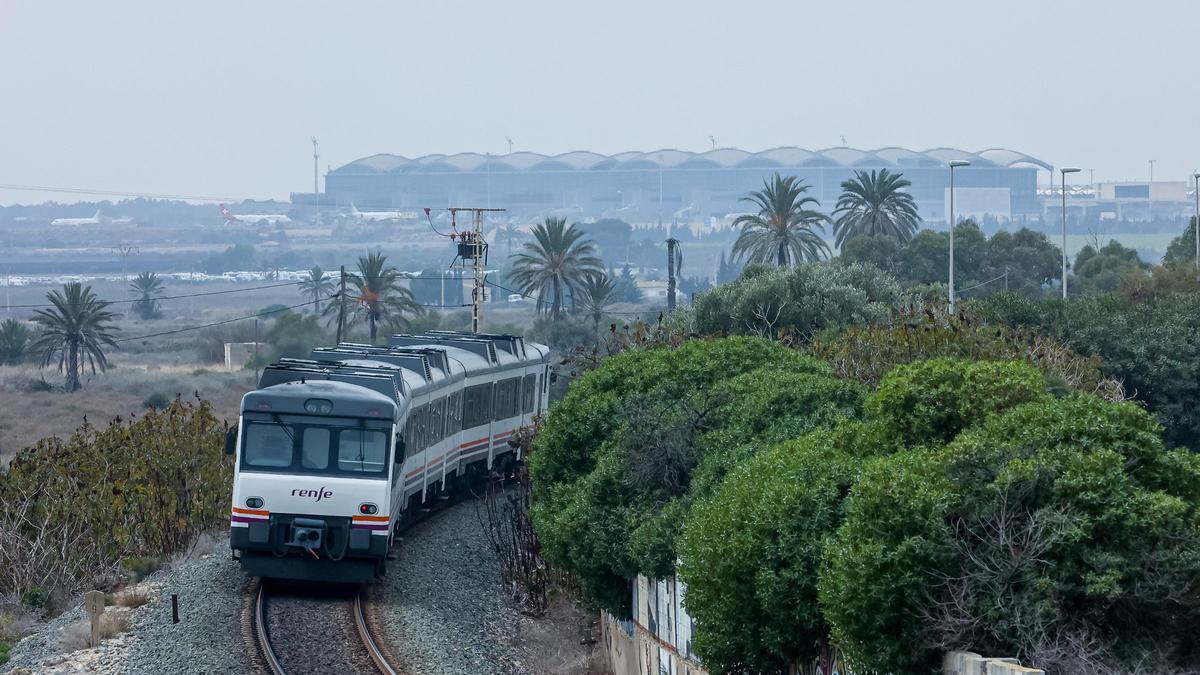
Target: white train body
x=335, y=452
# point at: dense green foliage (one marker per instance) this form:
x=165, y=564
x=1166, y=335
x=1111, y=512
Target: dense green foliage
x=798, y=301
x=868, y=353
x=1149, y=340
x=1182, y=249
x=875, y=204
x=1028, y=258
x=930, y=402
x=71, y=509
x=1059, y=518
x=750, y=554
x=292, y=336
x=784, y=230
x=603, y=484
x=1105, y=268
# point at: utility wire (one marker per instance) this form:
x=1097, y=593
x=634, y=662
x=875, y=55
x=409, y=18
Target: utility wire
x=232, y=290
x=177, y=297
x=116, y=193
x=985, y=283
x=222, y=323
x=530, y=297
x=251, y=316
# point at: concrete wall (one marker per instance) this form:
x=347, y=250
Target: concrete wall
x=658, y=640
x=238, y=353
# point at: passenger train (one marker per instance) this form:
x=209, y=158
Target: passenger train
x=335, y=452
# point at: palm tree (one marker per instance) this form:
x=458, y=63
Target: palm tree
x=875, y=203
x=554, y=264
x=14, y=337
x=598, y=292
x=783, y=230
x=378, y=296
x=77, y=326
x=318, y=284
x=508, y=233
x=149, y=288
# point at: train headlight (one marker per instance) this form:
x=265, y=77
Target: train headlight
x=254, y=502
x=318, y=406
x=368, y=509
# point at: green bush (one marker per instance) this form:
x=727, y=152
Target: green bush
x=1057, y=520
x=35, y=597
x=1152, y=346
x=868, y=353
x=157, y=400
x=141, y=567
x=750, y=553
x=619, y=450
x=798, y=301
x=929, y=402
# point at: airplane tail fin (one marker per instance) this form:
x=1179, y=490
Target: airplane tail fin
x=354, y=210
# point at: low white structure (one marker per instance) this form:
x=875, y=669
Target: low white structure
x=238, y=353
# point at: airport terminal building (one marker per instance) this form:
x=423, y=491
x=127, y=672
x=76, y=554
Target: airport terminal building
x=641, y=187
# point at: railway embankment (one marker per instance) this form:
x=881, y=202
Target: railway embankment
x=441, y=608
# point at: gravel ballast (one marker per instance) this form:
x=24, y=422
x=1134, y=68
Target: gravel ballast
x=441, y=609
x=207, y=639
x=442, y=605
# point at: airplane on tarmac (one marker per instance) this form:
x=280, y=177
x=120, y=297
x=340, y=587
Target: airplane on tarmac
x=94, y=220
x=380, y=216
x=254, y=218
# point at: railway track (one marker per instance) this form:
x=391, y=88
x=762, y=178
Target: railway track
x=329, y=632
x=302, y=655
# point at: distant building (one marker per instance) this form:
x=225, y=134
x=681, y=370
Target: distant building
x=643, y=187
x=1130, y=201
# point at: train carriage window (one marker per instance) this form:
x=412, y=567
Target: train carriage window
x=527, y=392
x=439, y=420
x=314, y=448
x=363, y=450
x=267, y=445
x=478, y=410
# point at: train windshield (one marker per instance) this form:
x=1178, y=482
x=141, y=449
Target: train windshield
x=338, y=446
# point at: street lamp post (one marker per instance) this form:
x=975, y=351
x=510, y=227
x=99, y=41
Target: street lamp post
x=1065, y=171
x=953, y=165
x=1196, y=192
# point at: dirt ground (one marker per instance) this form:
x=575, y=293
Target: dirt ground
x=27, y=415
x=563, y=641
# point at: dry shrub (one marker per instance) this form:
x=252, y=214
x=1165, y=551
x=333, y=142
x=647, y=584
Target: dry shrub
x=71, y=510
x=16, y=622
x=866, y=353
x=77, y=635
x=134, y=596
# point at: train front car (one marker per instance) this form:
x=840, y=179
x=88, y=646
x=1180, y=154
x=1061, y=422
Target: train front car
x=314, y=464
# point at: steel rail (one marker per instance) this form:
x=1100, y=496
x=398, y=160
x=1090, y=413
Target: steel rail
x=360, y=622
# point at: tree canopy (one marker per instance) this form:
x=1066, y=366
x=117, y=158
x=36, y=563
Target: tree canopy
x=784, y=231
x=875, y=204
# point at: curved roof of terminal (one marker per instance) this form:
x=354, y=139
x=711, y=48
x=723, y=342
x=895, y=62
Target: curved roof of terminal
x=783, y=157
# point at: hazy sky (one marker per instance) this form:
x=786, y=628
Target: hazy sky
x=220, y=98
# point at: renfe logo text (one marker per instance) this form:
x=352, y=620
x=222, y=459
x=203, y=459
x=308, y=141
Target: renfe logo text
x=317, y=495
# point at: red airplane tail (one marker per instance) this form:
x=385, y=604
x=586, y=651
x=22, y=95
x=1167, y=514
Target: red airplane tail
x=229, y=217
